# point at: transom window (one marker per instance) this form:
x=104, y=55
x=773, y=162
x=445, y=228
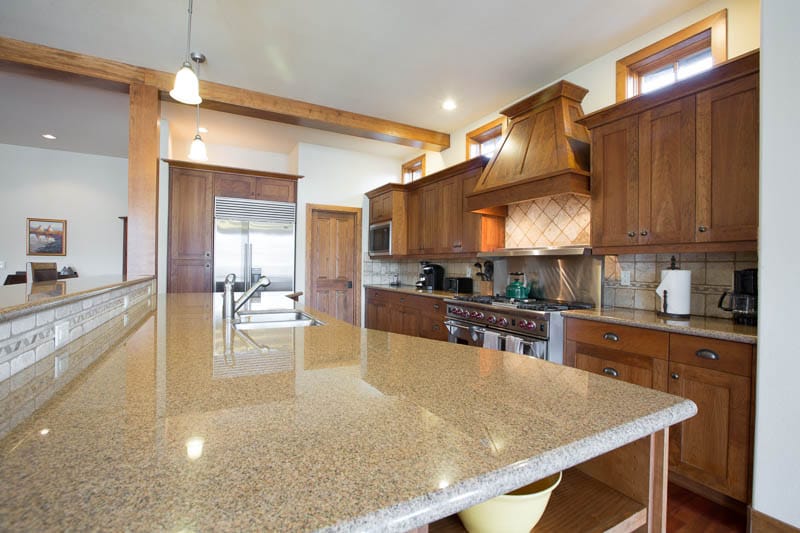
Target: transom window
x=486, y=139
x=683, y=54
x=414, y=169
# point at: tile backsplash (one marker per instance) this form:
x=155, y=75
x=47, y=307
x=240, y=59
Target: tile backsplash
x=379, y=272
x=712, y=274
x=552, y=221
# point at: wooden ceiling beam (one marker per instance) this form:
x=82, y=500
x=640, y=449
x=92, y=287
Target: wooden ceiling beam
x=225, y=98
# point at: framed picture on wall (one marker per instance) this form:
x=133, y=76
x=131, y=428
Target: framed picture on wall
x=47, y=236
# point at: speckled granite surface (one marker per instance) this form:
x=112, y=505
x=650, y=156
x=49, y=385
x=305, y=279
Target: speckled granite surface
x=410, y=289
x=715, y=328
x=321, y=428
x=19, y=299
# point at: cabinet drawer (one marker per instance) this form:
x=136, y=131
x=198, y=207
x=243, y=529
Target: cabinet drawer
x=714, y=354
x=632, y=369
x=623, y=338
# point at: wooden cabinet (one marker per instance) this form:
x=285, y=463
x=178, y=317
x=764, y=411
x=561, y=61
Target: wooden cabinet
x=390, y=203
x=713, y=450
x=193, y=186
x=714, y=447
x=629, y=354
x=677, y=170
x=434, y=211
x=408, y=314
x=191, y=230
x=380, y=208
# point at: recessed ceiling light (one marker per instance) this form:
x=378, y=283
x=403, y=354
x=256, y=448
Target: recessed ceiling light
x=44, y=431
x=202, y=129
x=48, y=136
x=449, y=104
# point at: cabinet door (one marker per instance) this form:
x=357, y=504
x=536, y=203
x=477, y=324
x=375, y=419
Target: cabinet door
x=380, y=208
x=450, y=215
x=234, y=186
x=275, y=190
x=414, y=209
x=666, y=173
x=615, y=193
x=430, y=217
x=713, y=447
x=727, y=162
x=190, y=248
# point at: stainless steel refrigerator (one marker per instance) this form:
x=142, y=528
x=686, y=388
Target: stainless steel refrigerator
x=254, y=238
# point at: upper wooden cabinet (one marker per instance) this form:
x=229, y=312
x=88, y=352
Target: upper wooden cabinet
x=435, y=217
x=677, y=169
x=255, y=187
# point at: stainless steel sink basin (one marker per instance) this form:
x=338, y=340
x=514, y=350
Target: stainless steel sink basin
x=275, y=318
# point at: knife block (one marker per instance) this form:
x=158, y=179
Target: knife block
x=486, y=287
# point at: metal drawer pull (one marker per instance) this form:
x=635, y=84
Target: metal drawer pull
x=608, y=371
x=707, y=354
x=436, y=306
x=613, y=337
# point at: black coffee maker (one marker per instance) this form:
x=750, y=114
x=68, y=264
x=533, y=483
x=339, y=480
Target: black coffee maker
x=431, y=277
x=743, y=301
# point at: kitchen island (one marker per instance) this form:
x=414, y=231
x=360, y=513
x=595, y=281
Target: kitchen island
x=188, y=424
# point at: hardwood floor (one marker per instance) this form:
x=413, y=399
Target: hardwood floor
x=689, y=513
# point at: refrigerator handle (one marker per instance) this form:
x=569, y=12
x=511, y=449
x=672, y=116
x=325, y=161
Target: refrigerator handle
x=249, y=265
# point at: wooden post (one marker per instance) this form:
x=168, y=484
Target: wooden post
x=143, y=153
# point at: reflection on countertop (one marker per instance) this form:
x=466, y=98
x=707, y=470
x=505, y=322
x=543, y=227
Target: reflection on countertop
x=716, y=328
x=364, y=430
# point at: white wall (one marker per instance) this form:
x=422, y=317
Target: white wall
x=335, y=177
x=599, y=76
x=89, y=191
x=776, y=487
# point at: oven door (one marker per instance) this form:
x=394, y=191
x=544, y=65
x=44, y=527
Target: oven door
x=463, y=333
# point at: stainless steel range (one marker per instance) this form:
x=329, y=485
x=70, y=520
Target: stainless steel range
x=530, y=327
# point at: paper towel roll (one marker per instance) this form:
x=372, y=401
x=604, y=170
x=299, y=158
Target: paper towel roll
x=677, y=284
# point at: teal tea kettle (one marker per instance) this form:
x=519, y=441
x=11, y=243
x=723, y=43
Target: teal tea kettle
x=517, y=287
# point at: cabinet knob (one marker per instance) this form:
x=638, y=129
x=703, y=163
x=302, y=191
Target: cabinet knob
x=208, y=265
x=436, y=306
x=702, y=229
x=675, y=375
x=208, y=254
x=613, y=337
x=643, y=233
x=608, y=371
x=631, y=234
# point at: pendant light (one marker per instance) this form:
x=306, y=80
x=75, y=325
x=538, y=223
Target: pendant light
x=197, y=151
x=187, y=87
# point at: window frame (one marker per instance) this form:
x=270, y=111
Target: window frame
x=484, y=133
x=418, y=163
x=711, y=32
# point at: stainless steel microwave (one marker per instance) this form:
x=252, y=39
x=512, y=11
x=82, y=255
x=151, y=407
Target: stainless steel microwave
x=380, y=239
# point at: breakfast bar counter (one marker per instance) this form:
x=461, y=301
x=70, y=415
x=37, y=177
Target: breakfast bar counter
x=186, y=422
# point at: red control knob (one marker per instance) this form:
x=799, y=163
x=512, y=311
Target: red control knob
x=473, y=314
x=502, y=322
x=531, y=325
x=479, y=315
x=492, y=319
x=523, y=323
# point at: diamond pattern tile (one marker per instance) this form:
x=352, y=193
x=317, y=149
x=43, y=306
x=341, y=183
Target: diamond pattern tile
x=554, y=221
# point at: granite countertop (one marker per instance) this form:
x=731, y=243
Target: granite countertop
x=411, y=289
x=716, y=328
x=22, y=298
x=330, y=427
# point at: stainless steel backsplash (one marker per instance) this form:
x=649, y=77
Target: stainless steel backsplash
x=570, y=278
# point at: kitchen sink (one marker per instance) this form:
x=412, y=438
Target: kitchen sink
x=275, y=318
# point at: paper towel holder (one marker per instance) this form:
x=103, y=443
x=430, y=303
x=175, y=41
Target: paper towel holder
x=664, y=294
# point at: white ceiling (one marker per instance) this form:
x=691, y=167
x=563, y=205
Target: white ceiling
x=389, y=59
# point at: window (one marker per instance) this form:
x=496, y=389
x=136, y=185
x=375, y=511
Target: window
x=486, y=139
x=414, y=169
x=679, y=56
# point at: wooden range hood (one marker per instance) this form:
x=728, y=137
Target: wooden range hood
x=544, y=153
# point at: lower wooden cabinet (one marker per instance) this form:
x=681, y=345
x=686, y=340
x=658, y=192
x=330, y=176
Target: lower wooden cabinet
x=409, y=314
x=714, y=448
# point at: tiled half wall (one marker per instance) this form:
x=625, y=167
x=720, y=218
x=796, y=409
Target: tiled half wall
x=380, y=272
x=712, y=274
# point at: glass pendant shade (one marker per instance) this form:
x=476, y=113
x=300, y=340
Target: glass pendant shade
x=187, y=87
x=197, y=152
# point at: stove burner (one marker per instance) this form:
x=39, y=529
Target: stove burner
x=530, y=304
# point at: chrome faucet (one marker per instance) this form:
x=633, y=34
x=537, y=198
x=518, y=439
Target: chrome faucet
x=231, y=307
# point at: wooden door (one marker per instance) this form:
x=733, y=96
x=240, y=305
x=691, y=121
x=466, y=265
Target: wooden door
x=727, y=162
x=666, y=173
x=191, y=230
x=615, y=192
x=713, y=446
x=333, y=254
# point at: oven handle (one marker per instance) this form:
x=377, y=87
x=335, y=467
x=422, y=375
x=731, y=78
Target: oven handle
x=529, y=343
x=473, y=330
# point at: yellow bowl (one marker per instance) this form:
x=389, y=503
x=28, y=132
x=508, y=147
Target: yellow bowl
x=517, y=511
